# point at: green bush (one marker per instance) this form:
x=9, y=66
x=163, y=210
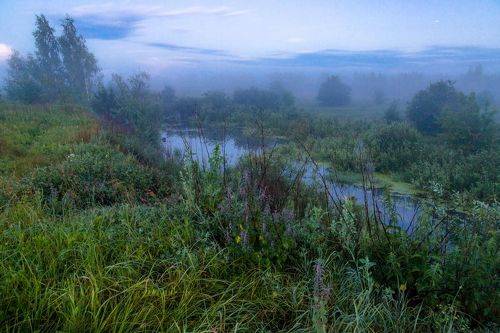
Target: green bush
x=394, y=147
x=97, y=175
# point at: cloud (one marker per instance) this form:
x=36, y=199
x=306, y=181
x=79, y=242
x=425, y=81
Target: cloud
x=116, y=21
x=383, y=59
x=188, y=49
x=5, y=52
x=295, y=40
x=111, y=10
x=235, y=12
x=201, y=10
x=181, y=30
x=118, y=13
x=106, y=31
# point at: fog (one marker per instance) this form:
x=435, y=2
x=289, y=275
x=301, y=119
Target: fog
x=304, y=83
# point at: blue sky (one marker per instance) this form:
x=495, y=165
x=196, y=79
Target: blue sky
x=158, y=35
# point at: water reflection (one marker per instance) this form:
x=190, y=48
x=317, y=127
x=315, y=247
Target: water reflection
x=184, y=142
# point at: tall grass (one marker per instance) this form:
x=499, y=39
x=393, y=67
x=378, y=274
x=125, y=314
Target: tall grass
x=99, y=241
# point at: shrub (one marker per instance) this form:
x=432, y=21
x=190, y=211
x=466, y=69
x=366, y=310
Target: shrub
x=467, y=127
x=427, y=105
x=97, y=175
x=394, y=146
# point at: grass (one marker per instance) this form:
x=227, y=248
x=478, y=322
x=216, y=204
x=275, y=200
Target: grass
x=92, y=239
x=138, y=269
x=395, y=185
x=351, y=112
x=380, y=180
x=31, y=137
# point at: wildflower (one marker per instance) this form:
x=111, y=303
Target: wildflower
x=402, y=287
x=370, y=168
x=288, y=230
x=318, y=276
x=288, y=217
x=244, y=237
x=267, y=209
x=288, y=214
x=246, y=213
x=227, y=234
x=321, y=292
x=223, y=207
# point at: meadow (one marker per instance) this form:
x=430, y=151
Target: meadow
x=93, y=238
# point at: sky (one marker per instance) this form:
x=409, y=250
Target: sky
x=159, y=35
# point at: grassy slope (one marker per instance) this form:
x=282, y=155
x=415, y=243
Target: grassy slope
x=121, y=268
x=31, y=137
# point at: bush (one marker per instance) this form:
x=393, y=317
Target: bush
x=131, y=105
x=263, y=99
x=97, y=175
x=475, y=174
x=427, y=105
x=468, y=127
x=394, y=147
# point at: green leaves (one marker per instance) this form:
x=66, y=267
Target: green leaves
x=62, y=70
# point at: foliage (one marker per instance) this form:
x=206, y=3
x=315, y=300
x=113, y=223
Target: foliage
x=475, y=173
x=333, y=92
x=468, y=127
x=394, y=146
x=391, y=115
x=21, y=84
x=263, y=99
x=98, y=232
x=96, y=175
x=186, y=109
x=131, y=104
x=427, y=105
x=62, y=68
x=80, y=68
x=215, y=106
x=167, y=100
x=48, y=70
x=217, y=111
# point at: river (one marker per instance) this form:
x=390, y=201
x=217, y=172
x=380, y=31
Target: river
x=406, y=209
